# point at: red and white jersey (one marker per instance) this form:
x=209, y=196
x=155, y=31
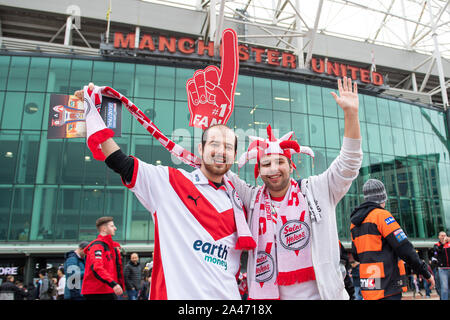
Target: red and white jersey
x=195, y=234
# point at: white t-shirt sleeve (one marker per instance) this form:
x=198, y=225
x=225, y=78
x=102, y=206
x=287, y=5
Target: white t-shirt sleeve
x=147, y=178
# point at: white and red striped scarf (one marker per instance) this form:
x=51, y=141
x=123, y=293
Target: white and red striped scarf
x=97, y=133
x=289, y=261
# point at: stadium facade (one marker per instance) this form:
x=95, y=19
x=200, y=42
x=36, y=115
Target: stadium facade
x=52, y=191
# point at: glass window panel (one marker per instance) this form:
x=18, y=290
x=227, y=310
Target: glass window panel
x=244, y=92
x=370, y=107
x=124, y=78
x=44, y=227
x=402, y=168
x=262, y=93
x=38, y=74
x=4, y=69
x=147, y=107
x=73, y=161
x=68, y=213
x=18, y=73
x=94, y=171
x=298, y=98
x=330, y=107
x=386, y=140
x=28, y=157
x=314, y=94
x=407, y=218
x=399, y=142
x=142, y=147
x=263, y=118
x=300, y=127
x=182, y=76
x=389, y=175
x=332, y=133
x=364, y=136
x=429, y=144
x=115, y=206
x=361, y=111
x=144, y=82
x=282, y=123
x=383, y=112
x=164, y=114
x=92, y=208
x=420, y=143
x=21, y=213
x=316, y=131
x=426, y=120
x=13, y=109
x=320, y=161
x=165, y=83
x=411, y=149
x=417, y=118
x=396, y=114
x=140, y=222
x=281, y=97
x=103, y=73
x=373, y=134
x=182, y=117
x=5, y=206
x=9, y=143
x=243, y=118
x=53, y=161
x=58, y=76
x=80, y=75
x=406, y=116
x=2, y=100
x=33, y=111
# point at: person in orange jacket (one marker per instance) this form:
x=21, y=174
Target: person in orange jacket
x=380, y=245
x=103, y=275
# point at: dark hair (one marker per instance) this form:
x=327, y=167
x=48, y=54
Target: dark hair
x=205, y=136
x=101, y=221
x=83, y=244
x=43, y=272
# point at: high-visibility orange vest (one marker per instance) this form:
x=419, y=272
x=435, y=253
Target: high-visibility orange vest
x=382, y=273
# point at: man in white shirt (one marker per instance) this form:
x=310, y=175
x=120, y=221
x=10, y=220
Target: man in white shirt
x=294, y=222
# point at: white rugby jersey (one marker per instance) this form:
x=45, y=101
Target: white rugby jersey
x=195, y=234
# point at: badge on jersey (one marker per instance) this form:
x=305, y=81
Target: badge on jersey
x=399, y=235
x=389, y=220
x=98, y=254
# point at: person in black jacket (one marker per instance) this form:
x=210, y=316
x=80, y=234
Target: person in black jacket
x=133, y=275
x=12, y=292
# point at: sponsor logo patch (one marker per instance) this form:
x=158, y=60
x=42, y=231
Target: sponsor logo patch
x=389, y=220
x=399, y=235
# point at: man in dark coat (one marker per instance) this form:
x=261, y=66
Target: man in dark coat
x=133, y=275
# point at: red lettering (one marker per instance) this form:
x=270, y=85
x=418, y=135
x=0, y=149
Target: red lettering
x=186, y=49
x=343, y=70
x=377, y=79
x=293, y=196
x=333, y=68
x=353, y=71
x=243, y=53
x=164, y=43
x=288, y=60
x=201, y=48
x=364, y=75
x=120, y=42
x=258, y=52
x=147, y=43
x=321, y=67
x=273, y=57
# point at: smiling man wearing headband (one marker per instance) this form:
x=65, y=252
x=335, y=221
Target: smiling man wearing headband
x=294, y=223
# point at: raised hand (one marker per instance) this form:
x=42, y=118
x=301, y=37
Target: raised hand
x=348, y=98
x=211, y=91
